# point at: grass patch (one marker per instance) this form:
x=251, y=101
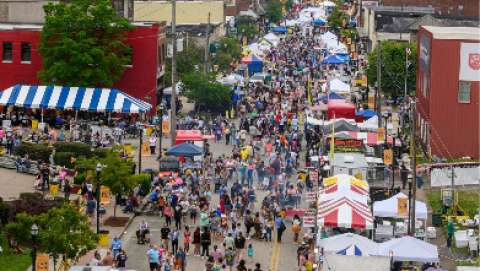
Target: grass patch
x=467, y=200
x=15, y=262
x=434, y=200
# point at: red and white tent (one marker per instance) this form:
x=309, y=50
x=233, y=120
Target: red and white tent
x=345, y=213
x=369, y=138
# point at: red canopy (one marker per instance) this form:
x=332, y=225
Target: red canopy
x=340, y=109
x=188, y=135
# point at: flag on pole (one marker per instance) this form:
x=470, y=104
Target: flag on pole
x=332, y=142
x=309, y=91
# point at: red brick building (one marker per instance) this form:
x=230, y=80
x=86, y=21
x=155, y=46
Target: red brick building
x=20, y=59
x=448, y=86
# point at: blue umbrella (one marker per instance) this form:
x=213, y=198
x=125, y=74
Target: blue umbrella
x=319, y=21
x=280, y=29
x=331, y=96
x=185, y=149
x=333, y=59
x=367, y=113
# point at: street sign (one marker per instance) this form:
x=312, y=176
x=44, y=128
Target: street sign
x=388, y=156
x=311, y=197
x=309, y=218
x=380, y=134
x=42, y=262
x=104, y=195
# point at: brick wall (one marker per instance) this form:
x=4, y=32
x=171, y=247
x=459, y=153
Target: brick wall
x=469, y=8
x=231, y=11
x=243, y=5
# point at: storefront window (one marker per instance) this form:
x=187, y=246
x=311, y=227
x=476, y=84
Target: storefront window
x=464, y=91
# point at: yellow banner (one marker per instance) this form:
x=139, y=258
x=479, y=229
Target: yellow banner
x=309, y=92
x=381, y=134
x=402, y=207
x=165, y=127
x=388, y=156
x=371, y=102
x=330, y=181
x=42, y=262
x=104, y=195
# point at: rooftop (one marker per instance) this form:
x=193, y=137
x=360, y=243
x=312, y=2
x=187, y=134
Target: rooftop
x=454, y=33
x=38, y=27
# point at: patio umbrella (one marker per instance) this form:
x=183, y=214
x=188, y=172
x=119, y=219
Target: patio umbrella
x=185, y=149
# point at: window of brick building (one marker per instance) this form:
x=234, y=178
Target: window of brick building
x=464, y=91
x=7, y=52
x=26, y=52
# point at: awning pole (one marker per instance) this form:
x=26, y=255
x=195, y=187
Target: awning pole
x=41, y=115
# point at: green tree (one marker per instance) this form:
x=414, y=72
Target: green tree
x=247, y=26
x=207, y=93
x=63, y=232
x=116, y=173
x=336, y=19
x=393, y=67
x=82, y=43
x=229, y=49
x=190, y=59
x=273, y=10
x=288, y=4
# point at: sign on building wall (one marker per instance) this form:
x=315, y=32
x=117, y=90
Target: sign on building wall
x=424, y=53
x=469, y=61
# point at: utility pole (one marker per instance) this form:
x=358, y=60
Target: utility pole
x=378, y=106
x=207, y=45
x=407, y=64
x=173, y=102
x=413, y=151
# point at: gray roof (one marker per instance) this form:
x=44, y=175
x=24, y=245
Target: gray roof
x=405, y=23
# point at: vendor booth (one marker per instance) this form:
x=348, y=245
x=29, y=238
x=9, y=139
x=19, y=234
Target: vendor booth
x=185, y=149
x=254, y=64
x=409, y=249
x=338, y=86
x=190, y=135
x=341, y=243
x=371, y=263
x=72, y=98
x=333, y=60
x=272, y=38
x=331, y=96
x=390, y=207
x=340, y=109
x=280, y=30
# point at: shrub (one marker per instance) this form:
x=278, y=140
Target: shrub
x=144, y=180
x=36, y=152
x=63, y=159
x=77, y=148
x=100, y=153
x=80, y=177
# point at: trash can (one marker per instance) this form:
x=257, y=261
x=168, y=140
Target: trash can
x=436, y=219
x=103, y=238
x=54, y=189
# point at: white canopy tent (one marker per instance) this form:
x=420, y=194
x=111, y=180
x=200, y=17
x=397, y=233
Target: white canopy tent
x=231, y=79
x=329, y=36
x=336, y=85
x=341, y=262
x=340, y=242
x=369, y=125
x=272, y=38
x=389, y=207
x=409, y=248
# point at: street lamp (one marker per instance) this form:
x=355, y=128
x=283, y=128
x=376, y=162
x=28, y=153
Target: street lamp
x=98, y=170
x=161, y=108
x=34, y=232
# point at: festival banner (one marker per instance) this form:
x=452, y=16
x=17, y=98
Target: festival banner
x=388, y=156
x=104, y=195
x=42, y=262
x=402, y=207
x=469, y=61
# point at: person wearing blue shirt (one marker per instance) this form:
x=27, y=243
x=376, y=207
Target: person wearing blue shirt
x=154, y=196
x=116, y=246
x=153, y=258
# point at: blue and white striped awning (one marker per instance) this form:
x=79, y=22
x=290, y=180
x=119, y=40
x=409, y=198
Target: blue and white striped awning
x=72, y=98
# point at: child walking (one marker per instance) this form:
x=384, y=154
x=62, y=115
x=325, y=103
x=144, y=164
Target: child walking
x=250, y=253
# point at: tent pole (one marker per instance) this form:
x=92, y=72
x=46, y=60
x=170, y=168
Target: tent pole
x=41, y=115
